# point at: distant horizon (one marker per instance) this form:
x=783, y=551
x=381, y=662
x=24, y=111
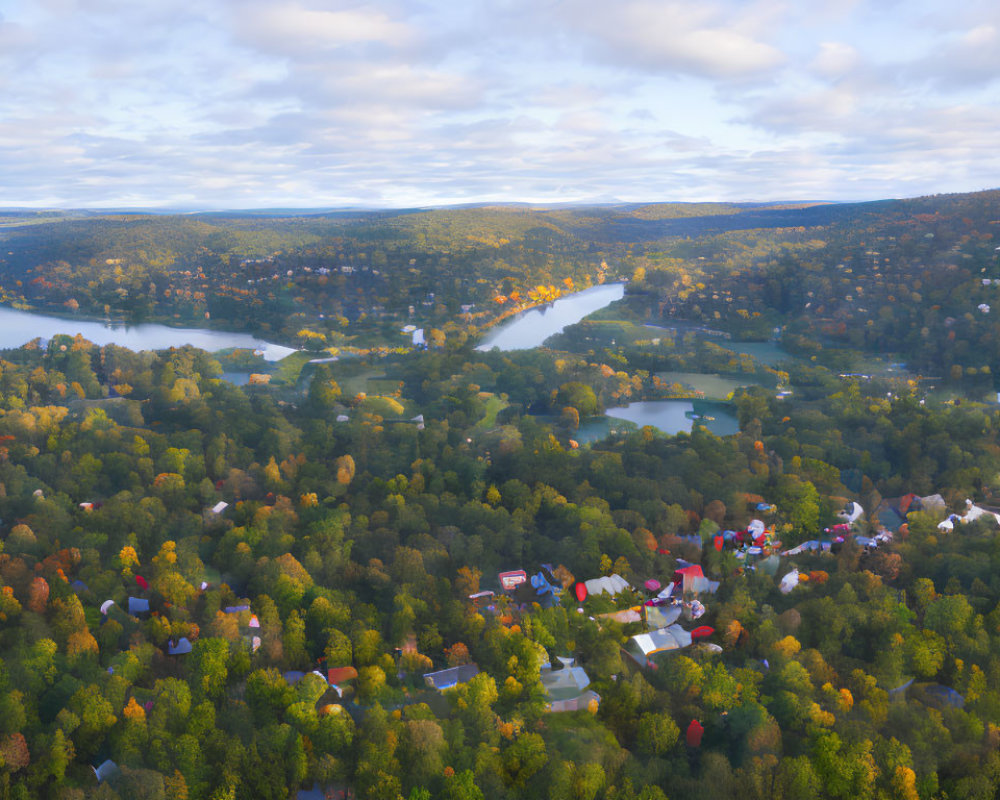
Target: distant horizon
x=533, y=205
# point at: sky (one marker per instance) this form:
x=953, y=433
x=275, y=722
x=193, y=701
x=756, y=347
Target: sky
x=322, y=103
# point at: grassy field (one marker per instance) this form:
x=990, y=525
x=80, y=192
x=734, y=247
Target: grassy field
x=494, y=405
x=290, y=367
x=715, y=387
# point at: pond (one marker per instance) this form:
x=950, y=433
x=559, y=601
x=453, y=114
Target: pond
x=236, y=378
x=669, y=416
x=533, y=327
x=19, y=327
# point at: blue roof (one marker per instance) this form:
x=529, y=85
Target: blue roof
x=138, y=605
x=182, y=647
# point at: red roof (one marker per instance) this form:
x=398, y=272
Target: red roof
x=341, y=674
x=694, y=571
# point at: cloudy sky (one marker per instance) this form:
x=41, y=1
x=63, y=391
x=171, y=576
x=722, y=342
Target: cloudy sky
x=265, y=103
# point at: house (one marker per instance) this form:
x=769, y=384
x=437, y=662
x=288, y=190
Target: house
x=182, y=647
x=542, y=588
x=933, y=503
x=612, y=584
x=851, y=513
x=219, y=507
x=566, y=688
x=137, y=606
x=105, y=770
x=662, y=616
x=645, y=646
x=813, y=545
x=339, y=675
x=692, y=579
x=891, y=512
x=511, y=580
x=972, y=513
x=447, y=678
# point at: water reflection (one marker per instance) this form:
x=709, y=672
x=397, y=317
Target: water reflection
x=533, y=327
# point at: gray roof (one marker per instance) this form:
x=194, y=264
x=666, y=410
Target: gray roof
x=578, y=703
x=645, y=645
x=446, y=678
x=565, y=683
x=662, y=616
x=105, y=770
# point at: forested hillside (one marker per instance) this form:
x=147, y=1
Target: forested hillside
x=364, y=577
x=912, y=277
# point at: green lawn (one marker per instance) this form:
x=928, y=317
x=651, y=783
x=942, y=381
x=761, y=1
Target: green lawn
x=290, y=367
x=493, y=407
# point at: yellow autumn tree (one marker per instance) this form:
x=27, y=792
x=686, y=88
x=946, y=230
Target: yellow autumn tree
x=788, y=646
x=904, y=784
x=345, y=469
x=81, y=644
x=273, y=473
x=134, y=712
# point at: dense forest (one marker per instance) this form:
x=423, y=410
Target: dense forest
x=219, y=591
x=913, y=277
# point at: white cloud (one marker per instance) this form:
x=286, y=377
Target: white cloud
x=703, y=39
x=315, y=102
x=297, y=31
x=835, y=59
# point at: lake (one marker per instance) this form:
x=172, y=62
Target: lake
x=531, y=328
x=669, y=416
x=19, y=327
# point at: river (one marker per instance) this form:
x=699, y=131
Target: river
x=19, y=327
x=531, y=328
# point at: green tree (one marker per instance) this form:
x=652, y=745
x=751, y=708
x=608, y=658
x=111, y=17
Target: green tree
x=209, y=665
x=657, y=734
x=579, y=396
